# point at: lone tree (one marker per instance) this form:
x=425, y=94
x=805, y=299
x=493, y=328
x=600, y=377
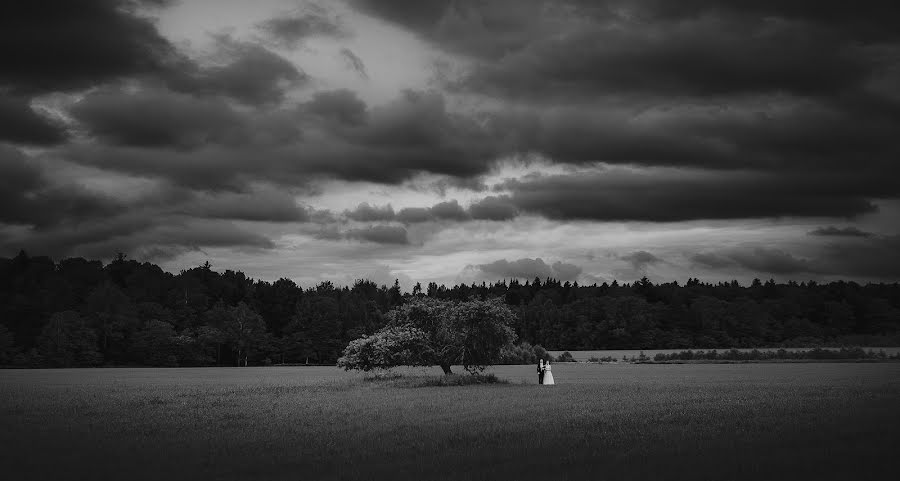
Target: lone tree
x=430, y=332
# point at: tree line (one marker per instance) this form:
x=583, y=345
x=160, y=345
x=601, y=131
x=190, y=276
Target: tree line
x=79, y=312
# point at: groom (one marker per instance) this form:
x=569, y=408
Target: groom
x=540, y=370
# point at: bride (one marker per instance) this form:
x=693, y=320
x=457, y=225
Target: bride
x=548, y=374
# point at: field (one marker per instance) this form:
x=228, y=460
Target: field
x=616, y=422
x=634, y=353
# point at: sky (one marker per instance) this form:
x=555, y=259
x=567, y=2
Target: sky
x=456, y=140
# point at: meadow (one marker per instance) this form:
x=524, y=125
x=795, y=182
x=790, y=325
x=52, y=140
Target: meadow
x=617, y=422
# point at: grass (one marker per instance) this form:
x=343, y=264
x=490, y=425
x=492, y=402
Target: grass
x=445, y=381
x=748, y=421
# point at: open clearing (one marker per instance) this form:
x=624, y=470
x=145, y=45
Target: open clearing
x=622, y=422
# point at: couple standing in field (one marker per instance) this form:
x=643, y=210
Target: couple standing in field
x=545, y=374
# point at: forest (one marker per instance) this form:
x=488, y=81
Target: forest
x=79, y=312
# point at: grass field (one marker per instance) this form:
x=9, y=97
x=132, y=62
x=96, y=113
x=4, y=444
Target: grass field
x=615, y=422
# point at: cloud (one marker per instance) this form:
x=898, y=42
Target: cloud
x=354, y=63
x=76, y=45
x=137, y=235
x=639, y=260
x=21, y=124
x=380, y=234
x=29, y=198
x=876, y=257
x=763, y=86
x=703, y=55
x=669, y=195
x=247, y=72
x=711, y=260
x=289, y=30
x=832, y=231
x=370, y=213
x=260, y=205
x=156, y=118
x=770, y=260
x=759, y=259
x=328, y=137
x=414, y=215
x=565, y=272
x=497, y=208
x=854, y=256
x=529, y=269
x=469, y=27
x=449, y=210
x=342, y=106
x=489, y=208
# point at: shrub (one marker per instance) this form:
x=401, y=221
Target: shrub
x=565, y=357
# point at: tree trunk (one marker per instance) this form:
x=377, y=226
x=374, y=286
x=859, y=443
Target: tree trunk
x=446, y=368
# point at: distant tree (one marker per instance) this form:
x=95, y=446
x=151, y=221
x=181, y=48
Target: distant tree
x=154, y=344
x=8, y=349
x=244, y=330
x=210, y=340
x=389, y=347
x=67, y=341
x=443, y=333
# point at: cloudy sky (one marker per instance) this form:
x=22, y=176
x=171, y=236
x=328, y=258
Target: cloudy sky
x=456, y=140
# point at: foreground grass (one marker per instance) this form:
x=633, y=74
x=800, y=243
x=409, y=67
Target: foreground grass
x=831, y=421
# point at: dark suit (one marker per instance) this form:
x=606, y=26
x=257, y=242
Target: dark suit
x=540, y=371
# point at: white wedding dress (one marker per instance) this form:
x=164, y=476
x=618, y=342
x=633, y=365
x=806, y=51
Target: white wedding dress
x=548, y=375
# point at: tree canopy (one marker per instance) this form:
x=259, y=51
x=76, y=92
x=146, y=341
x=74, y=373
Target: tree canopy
x=429, y=332
x=79, y=312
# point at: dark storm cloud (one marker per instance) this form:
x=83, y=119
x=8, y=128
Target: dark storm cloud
x=711, y=260
x=770, y=260
x=21, y=124
x=449, y=210
x=670, y=195
x=394, y=143
x=380, y=234
x=156, y=118
x=832, y=231
x=639, y=260
x=291, y=29
x=412, y=134
x=758, y=259
x=249, y=73
x=27, y=197
x=414, y=215
x=876, y=257
x=371, y=213
x=138, y=236
x=341, y=106
x=530, y=268
x=59, y=218
x=47, y=46
x=489, y=208
x=702, y=56
x=768, y=85
x=768, y=133
x=265, y=205
x=493, y=208
x=693, y=47
x=471, y=27
x=354, y=63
